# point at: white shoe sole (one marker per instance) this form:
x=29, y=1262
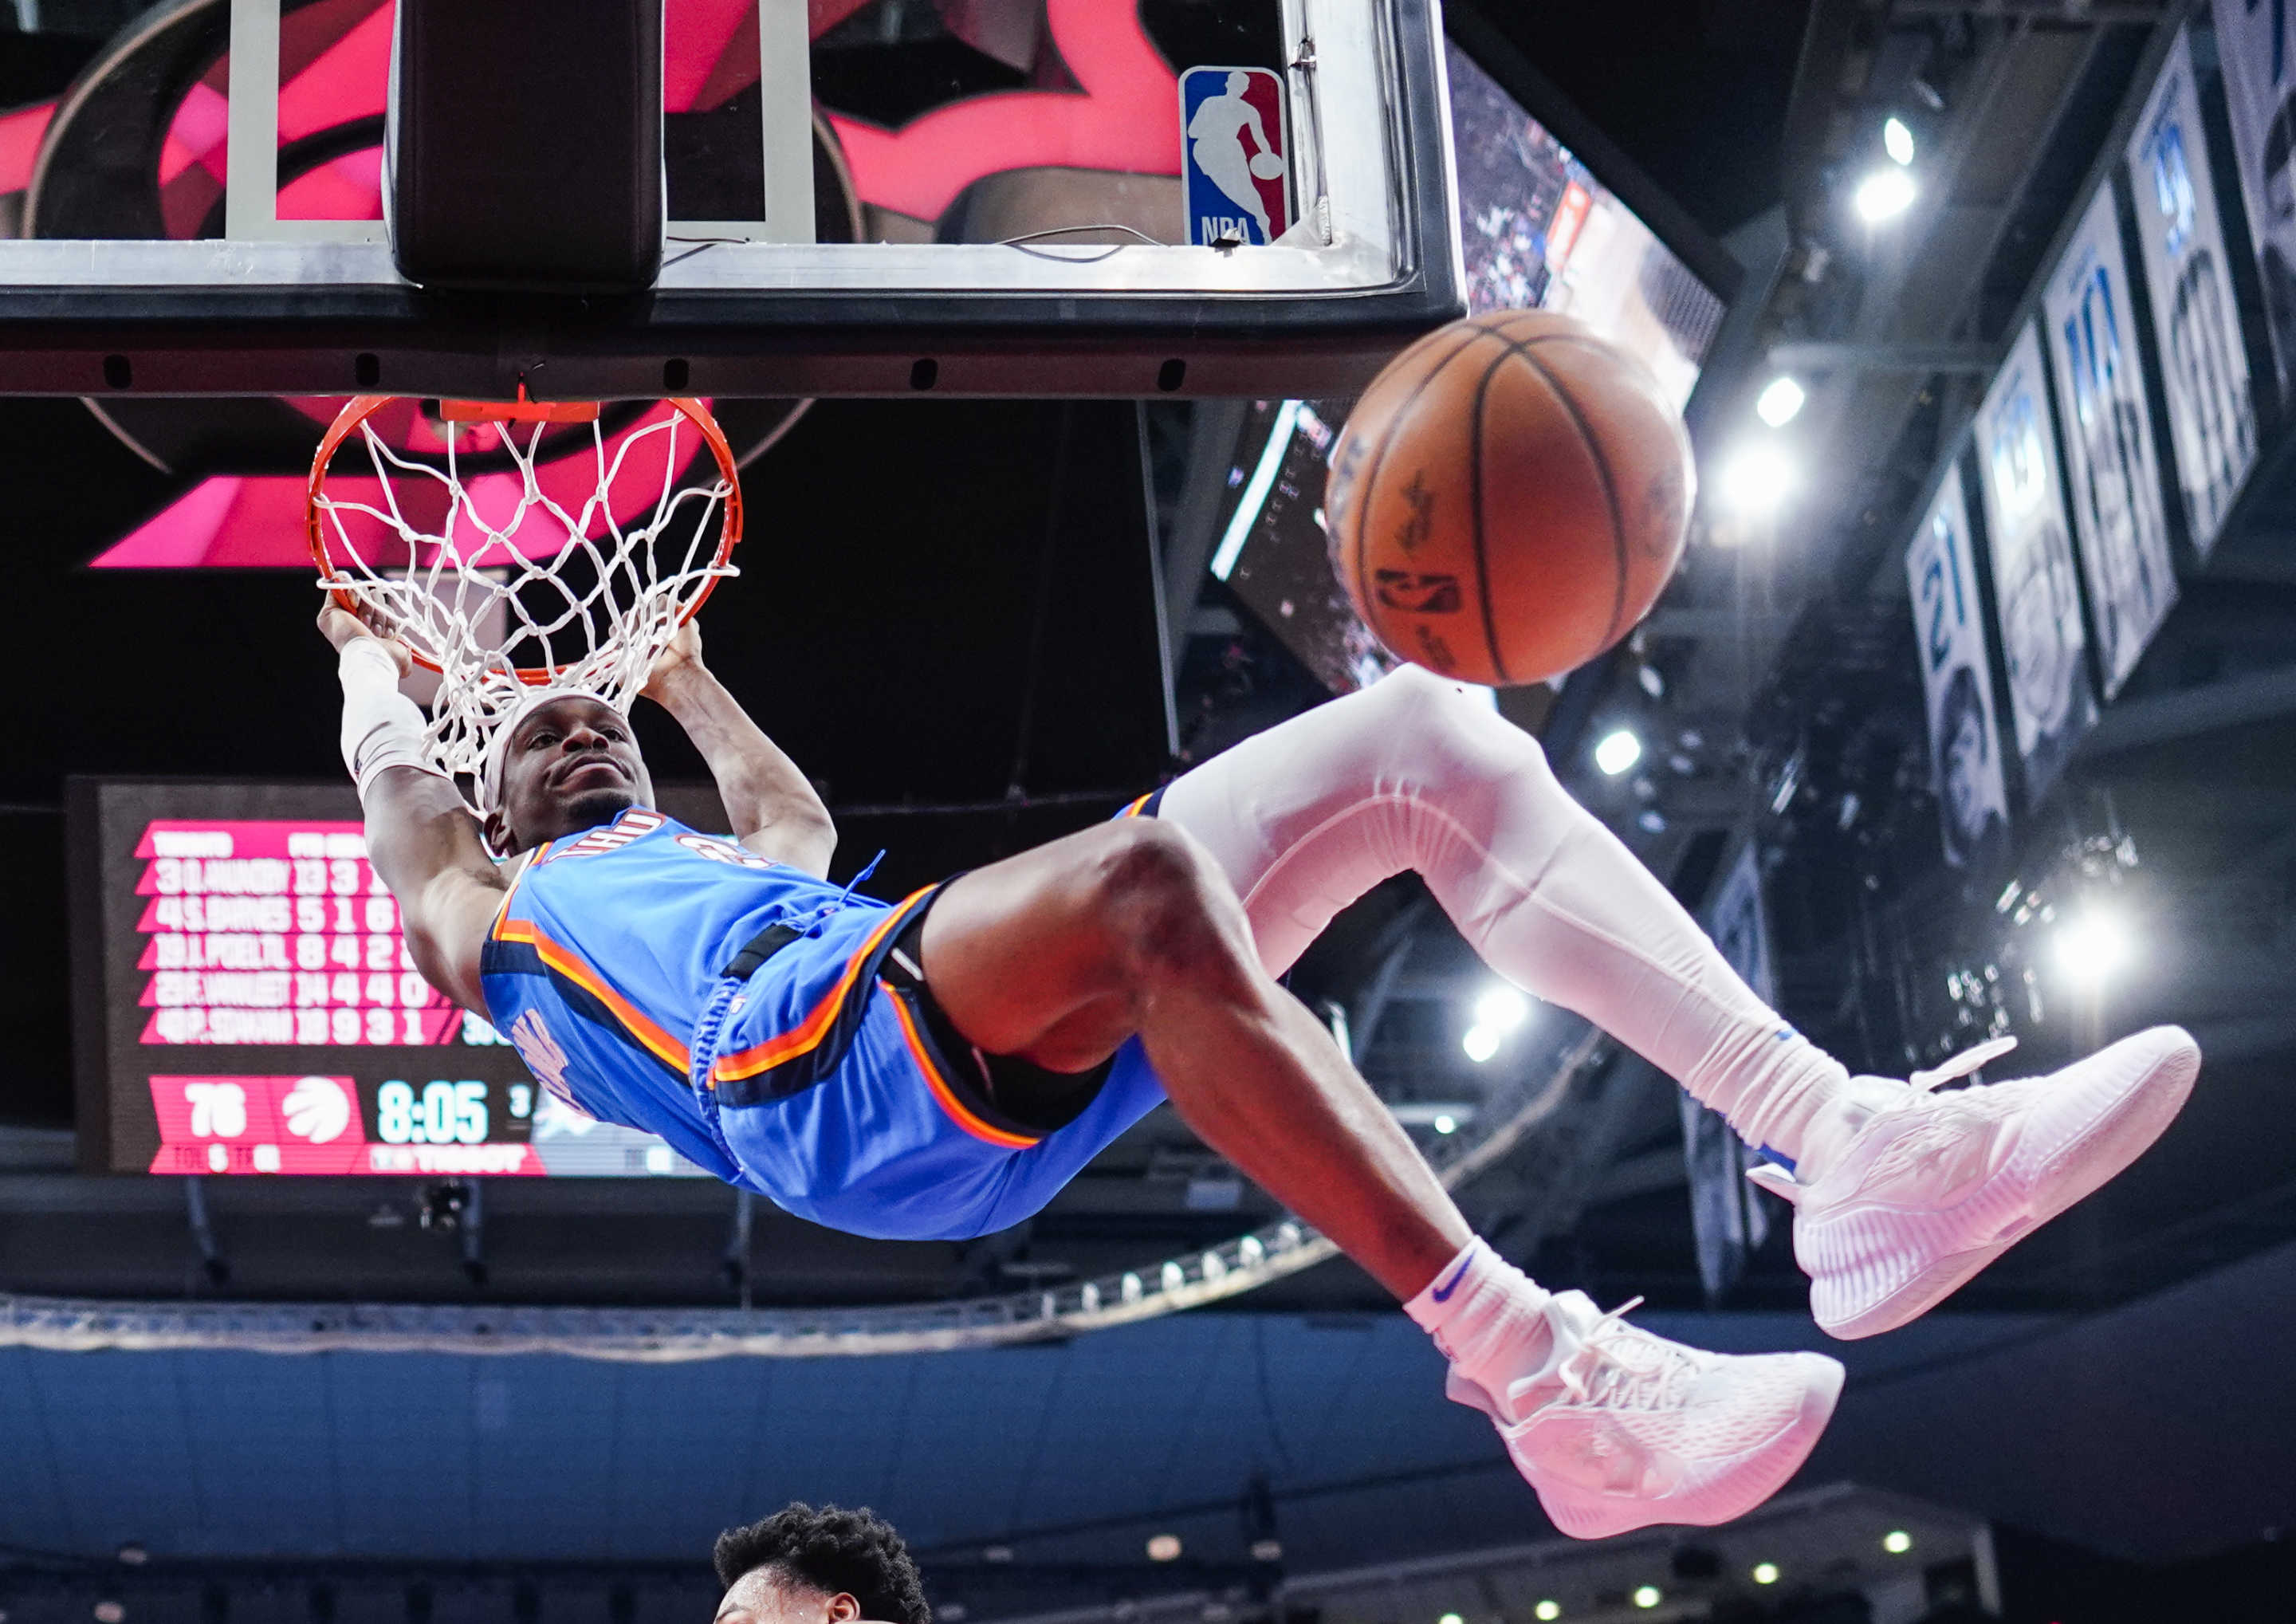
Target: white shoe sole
x=1740, y=1484
x=1854, y=1259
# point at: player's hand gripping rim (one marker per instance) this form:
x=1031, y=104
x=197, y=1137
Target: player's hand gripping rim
x=682, y=657
x=340, y=628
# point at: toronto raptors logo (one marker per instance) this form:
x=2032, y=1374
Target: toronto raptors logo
x=139, y=149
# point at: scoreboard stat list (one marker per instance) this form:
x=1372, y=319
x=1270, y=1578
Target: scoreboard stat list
x=270, y=933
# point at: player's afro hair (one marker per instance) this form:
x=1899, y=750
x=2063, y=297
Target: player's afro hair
x=830, y=1550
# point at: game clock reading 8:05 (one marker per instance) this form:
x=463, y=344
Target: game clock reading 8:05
x=442, y=1113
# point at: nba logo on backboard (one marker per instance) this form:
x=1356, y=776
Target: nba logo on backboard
x=1233, y=155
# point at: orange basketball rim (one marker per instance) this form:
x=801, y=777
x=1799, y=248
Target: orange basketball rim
x=342, y=576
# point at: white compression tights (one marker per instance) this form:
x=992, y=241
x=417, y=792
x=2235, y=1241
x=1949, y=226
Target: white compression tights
x=1413, y=774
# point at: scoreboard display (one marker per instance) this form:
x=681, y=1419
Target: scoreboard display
x=246, y=1005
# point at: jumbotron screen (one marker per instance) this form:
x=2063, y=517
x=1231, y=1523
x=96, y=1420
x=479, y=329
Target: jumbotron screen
x=247, y=1005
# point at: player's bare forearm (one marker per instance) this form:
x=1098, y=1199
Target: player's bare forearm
x=425, y=847
x=772, y=803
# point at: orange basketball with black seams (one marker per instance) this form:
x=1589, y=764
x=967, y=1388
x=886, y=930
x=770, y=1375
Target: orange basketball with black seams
x=1508, y=498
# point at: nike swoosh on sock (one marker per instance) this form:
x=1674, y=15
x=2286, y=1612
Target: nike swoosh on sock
x=1442, y=1294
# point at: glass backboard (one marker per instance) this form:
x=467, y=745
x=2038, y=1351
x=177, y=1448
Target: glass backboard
x=1030, y=197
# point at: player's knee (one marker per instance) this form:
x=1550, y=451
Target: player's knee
x=1445, y=736
x=1163, y=897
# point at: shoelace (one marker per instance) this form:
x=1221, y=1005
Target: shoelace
x=1599, y=1369
x=1960, y=1065
x=1769, y=1176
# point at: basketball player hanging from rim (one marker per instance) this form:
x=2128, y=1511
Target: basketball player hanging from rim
x=940, y=1067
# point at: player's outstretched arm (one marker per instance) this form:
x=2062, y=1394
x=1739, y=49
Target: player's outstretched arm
x=421, y=839
x=771, y=802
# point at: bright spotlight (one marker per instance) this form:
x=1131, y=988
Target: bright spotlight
x=1898, y=141
x=1649, y=1595
x=1758, y=479
x=1780, y=401
x=1450, y=1618
x=1897, y=1542
x=1765, y=1573
x=1481, y=1044
x=2093, y=947
x=1502, y=1009
x=1164, y=1548
x=1619, y=750
x=1882, y=195
x=1445, y=1123
x=1547, y=1612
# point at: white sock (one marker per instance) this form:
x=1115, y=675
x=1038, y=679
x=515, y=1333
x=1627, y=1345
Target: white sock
x=1487, y=1317
x=1413, y=774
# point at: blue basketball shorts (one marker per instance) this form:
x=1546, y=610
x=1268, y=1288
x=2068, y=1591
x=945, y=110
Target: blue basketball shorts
x=835, y=1083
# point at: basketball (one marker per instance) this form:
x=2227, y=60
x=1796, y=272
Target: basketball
x=1267, y=166
x=1508, y=498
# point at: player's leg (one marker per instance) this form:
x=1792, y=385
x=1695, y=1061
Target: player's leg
x=1060, y=953
x=1412, y=774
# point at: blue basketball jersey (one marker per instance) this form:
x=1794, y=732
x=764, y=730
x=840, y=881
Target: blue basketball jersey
x=608, y=947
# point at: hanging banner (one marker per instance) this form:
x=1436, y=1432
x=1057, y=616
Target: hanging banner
x=2034, y=589
x=2256, y=43
x=1728, y=1218
x=2195, y=314
x=2119, y=516
x=1956, y=679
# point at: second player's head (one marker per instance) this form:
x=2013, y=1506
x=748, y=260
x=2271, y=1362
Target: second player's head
x=568, y=764
x=830, y=1566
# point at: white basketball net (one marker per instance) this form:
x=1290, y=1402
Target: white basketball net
x=547, y=573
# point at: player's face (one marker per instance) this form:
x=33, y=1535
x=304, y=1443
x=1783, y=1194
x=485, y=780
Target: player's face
x=571, y=765
x=756, y=1598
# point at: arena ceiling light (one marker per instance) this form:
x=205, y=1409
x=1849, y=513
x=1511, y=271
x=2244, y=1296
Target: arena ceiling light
x=1898, y=141
x=1758, y=479
x=1648, y=1596
x=1498, y=1012
x=1548, y=1611
x=1765, y=1573
x=1883, y=194
x=1897, y=1542
x=2092, y=946
x=1619, y=750
x=1780, y=402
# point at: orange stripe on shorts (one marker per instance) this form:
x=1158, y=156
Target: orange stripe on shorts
x=942, y=1093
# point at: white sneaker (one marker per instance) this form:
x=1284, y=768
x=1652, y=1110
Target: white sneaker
x=1619, y=1429
x=1934, y=1187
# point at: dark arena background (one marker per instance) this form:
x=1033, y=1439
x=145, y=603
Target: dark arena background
x=1969, y=713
